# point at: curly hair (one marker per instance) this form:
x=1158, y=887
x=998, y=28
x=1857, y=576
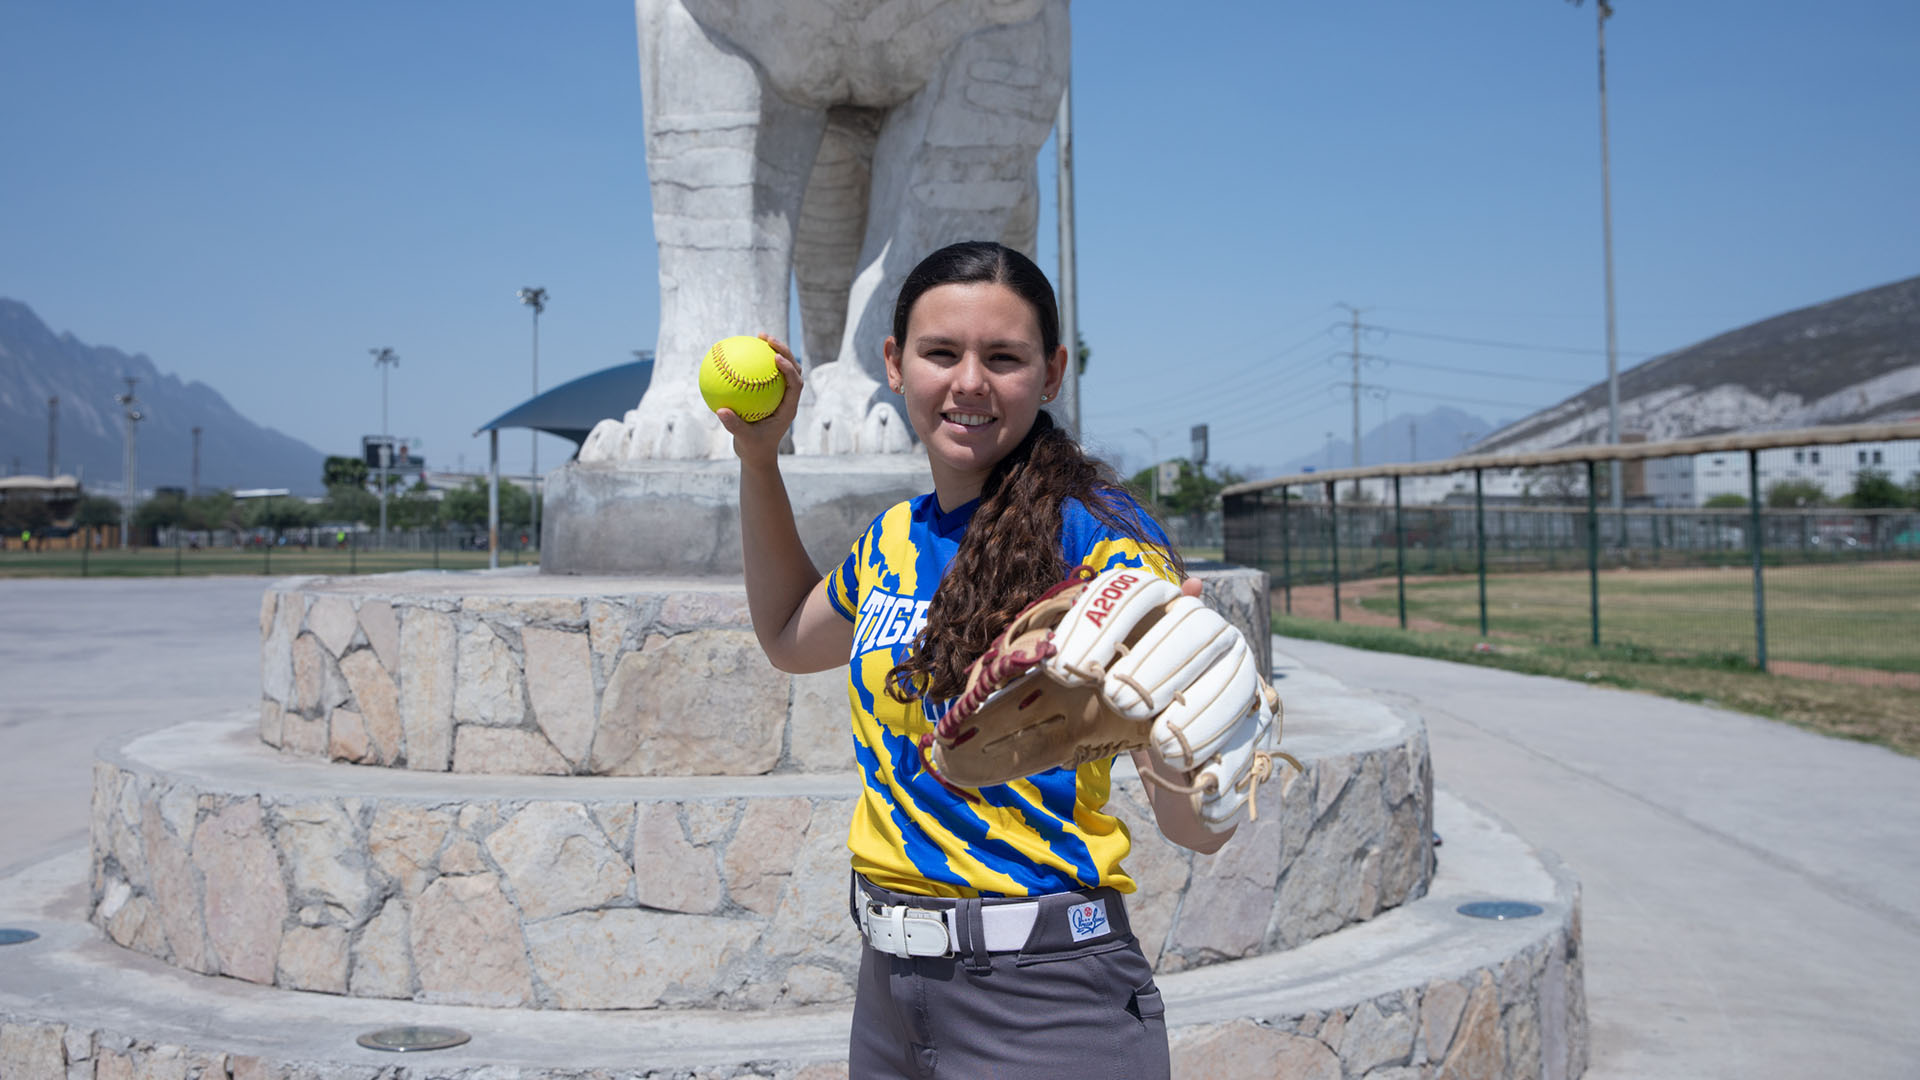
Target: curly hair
x=1011, y=552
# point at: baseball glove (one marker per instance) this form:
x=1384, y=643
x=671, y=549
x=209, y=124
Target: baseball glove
x=1113, y=662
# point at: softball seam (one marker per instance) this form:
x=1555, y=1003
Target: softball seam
x=727, y=372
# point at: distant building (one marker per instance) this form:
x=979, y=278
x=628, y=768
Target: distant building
x=1691, y=481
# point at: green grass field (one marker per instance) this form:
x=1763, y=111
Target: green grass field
x=160, y=562
x=1864, y=615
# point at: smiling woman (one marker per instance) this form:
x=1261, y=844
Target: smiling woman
x=979, y=903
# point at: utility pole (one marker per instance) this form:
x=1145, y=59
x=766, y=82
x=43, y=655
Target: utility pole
x=537, y=300
x=194, y=491
x=1603, y=9
x=384, y=358
x=129, y=404
x=1355, y=387
x=53, y=437
x=1413, y=440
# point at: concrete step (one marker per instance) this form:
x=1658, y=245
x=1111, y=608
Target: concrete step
x=1417, y=989
x=219, y=855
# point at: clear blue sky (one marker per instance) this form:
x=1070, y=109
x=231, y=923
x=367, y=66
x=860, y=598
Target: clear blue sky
x=256, y=194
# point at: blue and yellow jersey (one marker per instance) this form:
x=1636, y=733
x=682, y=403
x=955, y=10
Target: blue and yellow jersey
x=1042, y=834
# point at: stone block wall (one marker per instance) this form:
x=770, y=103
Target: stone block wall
x=513, y=676
x=648, y=894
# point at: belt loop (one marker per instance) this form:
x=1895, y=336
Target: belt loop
x=853, y=896
x=968, y=913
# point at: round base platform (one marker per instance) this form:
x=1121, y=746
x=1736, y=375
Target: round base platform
x=1419, y=991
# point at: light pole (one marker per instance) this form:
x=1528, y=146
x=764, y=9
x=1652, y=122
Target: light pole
x=537, y=300
x=130, y=405
x=1154, y=475
x=384, y=358
x=1603, y=9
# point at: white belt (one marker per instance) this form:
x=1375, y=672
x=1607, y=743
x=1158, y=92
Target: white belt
x=904, y=930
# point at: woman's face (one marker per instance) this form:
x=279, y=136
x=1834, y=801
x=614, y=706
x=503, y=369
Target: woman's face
x=974, y=372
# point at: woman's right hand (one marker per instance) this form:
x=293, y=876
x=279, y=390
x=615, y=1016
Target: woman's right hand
x=758, y=443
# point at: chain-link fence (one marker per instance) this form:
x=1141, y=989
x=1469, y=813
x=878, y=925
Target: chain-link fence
x=1793, y=579
x=304, y=550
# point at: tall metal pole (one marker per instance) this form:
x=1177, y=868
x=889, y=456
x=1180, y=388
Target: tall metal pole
x=537, y=300
x=493, y=499
x=129, y=404
x=1603, y=9
x=194, y=490
x=1593, y=553
x=1286, y=547
x=1333, y=527
x=1400, y=552
x=1756, y=543
x=53, y=437
x=1480, y=546
x=1069, y=278
x=384, y=358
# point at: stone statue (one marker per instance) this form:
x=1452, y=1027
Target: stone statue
x=832, y=143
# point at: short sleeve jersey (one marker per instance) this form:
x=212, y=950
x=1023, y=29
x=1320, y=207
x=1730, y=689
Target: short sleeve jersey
x=1045, y=833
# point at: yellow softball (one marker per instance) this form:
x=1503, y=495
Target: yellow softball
x=738, y=373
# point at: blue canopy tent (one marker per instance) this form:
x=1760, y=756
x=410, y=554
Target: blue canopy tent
x=570, y=411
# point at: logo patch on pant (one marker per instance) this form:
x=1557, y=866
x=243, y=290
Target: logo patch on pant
x=1088, y=920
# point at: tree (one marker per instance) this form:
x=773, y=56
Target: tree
x=97, y=510
x=344, y=470
x=416, y=509
x=1194, y=493
x=161, y=511
x=29, y=514
x=350, y=503
x=1874, y=489
x=1791, y=493
x=279, y=512
x=468, y=505
x=1725, y=501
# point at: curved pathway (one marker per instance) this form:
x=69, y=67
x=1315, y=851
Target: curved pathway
x=1752, y=891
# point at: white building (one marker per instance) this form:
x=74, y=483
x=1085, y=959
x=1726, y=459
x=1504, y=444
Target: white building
x=1691, y=481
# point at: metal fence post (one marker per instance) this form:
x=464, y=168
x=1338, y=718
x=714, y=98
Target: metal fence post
x=1480, y=547
x=1400, y=551
x=1333, y=529
x=176, y=552
x=1286, y=548
x=1756, y=542
x=1593, y=552
x=353, y=552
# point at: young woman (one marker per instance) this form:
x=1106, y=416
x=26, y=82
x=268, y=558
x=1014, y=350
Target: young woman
x=998, y=943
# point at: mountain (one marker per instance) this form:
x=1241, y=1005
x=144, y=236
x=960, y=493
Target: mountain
x=1851, y=360
x=36, y=364
x=1428, y=436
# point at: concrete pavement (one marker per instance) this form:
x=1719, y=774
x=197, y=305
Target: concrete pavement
x=1752, y=891
x=85, y=660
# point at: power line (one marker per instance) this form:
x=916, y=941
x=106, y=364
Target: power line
x=1485, y=372
x=1493, y=344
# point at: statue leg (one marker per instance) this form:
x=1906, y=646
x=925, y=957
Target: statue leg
x=954, y=162
x=728, y=162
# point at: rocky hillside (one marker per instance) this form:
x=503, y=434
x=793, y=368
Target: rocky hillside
x=36, y=364
x=1851, y=360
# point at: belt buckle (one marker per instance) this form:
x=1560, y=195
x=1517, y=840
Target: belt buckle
x=896, y=917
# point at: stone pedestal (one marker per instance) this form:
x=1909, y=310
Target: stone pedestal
x=682, y=518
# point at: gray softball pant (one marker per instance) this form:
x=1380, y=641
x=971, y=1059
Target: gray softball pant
x=1055, y=1009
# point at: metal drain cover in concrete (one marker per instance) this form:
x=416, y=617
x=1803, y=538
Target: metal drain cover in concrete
x=401, y=1040
x=1499, y=909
